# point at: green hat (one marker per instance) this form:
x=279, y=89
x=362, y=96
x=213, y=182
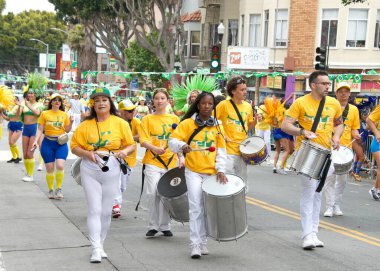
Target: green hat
x=100, y=92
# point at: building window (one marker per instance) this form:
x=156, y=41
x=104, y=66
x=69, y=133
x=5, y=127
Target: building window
x=266, y=27
x=185, y=50
x=242, y=31
x=254, y=30
x=232, y=32
x=213, y=34
x=357, y=28
x=329, y=27
x=195, y=43
x=281, y=38
x=377, y=31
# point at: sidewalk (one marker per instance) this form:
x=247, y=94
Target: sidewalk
x=34, y=233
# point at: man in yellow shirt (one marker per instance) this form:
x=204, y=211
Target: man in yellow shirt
x=235, y=130
x=335, y=184
x=127, y=112
x=304, y=109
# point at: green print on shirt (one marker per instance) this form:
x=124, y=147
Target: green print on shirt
x=234, y=121
x=57, y=123
x=100, y=143
x=165, y=135
x=205, y=143
x=323, y=120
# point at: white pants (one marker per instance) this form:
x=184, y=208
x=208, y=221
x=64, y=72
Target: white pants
x=310, y=204
x=123, y=186
x=196, y=208
x=159, y=218
x=77, y=119
x=236, y=165
x=334, y=188
x=100, y=189
x=265, y=134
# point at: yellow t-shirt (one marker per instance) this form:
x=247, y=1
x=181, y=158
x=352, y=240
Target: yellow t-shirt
x=351, y=122
x=200, y=161
x=375, y=114
x=54, y=122
x=226, y=113
x=135, y=123
x=304, y=110
x=156, y=129
x=262, y=125
x=110, y=135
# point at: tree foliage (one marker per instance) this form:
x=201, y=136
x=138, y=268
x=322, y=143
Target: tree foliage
x=17, y=52
x=140, y=59
x=2, y=6
x=349, y=2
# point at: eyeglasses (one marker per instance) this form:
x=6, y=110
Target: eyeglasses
x=324, y=83
x=56, y=100
x=130, y=111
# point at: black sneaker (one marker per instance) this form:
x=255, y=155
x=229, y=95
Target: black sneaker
x=151, y=233
x=167, y=233
x=17, y=160
x=373, y=193
x=12, y=160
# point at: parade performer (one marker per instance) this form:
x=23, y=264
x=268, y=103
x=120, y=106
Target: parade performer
x=185, y=94
x=236, y=123
x=100, y=140
x=30, y=112
x=53, y=124
x=263, y=128
x=127, y=112
x=11, y=103
x=158, y=159
x=372, y=120
x=304, y=110
x=199, y=164
x=335, y=184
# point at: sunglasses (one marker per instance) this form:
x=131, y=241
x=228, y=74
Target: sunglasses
x=240, y=81
x=130, y=111
x=103, y=166
x=56, y=100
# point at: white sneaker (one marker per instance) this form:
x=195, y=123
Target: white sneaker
x=28, y=179
x=58, y=193
x=103, y=253
x=317, y=242
x=337, y=210
x=328, y=212
x=40, y=167
x=51, y=194
x=268, y=161
x=196, y=252
x=204, y=250
x=308, y=242
x=281, y=171
x=96, y=256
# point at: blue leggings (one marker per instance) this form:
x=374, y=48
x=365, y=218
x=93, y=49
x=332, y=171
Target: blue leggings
x=51, y=150
x=29, y=130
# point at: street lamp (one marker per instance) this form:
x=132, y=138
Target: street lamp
x=47, y=52
x=221, y=29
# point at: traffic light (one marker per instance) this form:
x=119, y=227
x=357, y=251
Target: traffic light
x=321, y=59
x=215, y=59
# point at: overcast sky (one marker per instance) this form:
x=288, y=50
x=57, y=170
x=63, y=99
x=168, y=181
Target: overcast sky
x=17, y=6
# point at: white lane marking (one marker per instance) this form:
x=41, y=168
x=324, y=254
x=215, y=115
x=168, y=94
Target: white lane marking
x=2, y=266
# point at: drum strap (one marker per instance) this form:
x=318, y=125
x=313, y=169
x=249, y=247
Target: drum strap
x=324, y=172
x=142, y=186
x=345, y=112
x=318, y=116
x=239, y=116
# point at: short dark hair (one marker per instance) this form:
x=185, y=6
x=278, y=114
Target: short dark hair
x=315, y=74
x=233, y=83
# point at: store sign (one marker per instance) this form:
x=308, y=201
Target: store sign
x=52, y=61
x=355, y=81
x=66, y=52
x=247, y=58
x=274, y=82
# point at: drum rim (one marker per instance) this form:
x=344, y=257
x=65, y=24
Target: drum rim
x=226, y=195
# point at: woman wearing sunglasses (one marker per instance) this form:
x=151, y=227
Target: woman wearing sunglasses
x=102, y=133
x=154, y=135
x=199, y=164
x=53, y=123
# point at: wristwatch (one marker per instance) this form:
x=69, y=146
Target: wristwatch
x=301, y=131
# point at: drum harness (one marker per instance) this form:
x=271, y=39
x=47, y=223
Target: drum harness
x=239, y=116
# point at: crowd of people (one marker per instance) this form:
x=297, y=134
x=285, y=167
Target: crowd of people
x=105, y=134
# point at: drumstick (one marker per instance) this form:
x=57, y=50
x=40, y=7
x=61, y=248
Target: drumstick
x=354, y=140
x=241, y=143
x=210, y=149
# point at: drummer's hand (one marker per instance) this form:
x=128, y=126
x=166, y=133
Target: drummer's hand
x=186, y=148
x=122, y=154
x=90, y=155
x=181, y=161
x=356, y=135
x=221, y=177
x=309, y=134
x=159, y=151
x=336, y=142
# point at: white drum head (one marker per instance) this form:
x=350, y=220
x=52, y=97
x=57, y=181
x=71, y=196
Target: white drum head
x=213, y=187
x=342, y=156
x=252, y=145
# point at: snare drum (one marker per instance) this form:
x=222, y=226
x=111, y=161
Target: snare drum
x=342, y=160
x=225, y=208
x=253, y=150
x=310, y=159
x=173, y=191
x=75, y=170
